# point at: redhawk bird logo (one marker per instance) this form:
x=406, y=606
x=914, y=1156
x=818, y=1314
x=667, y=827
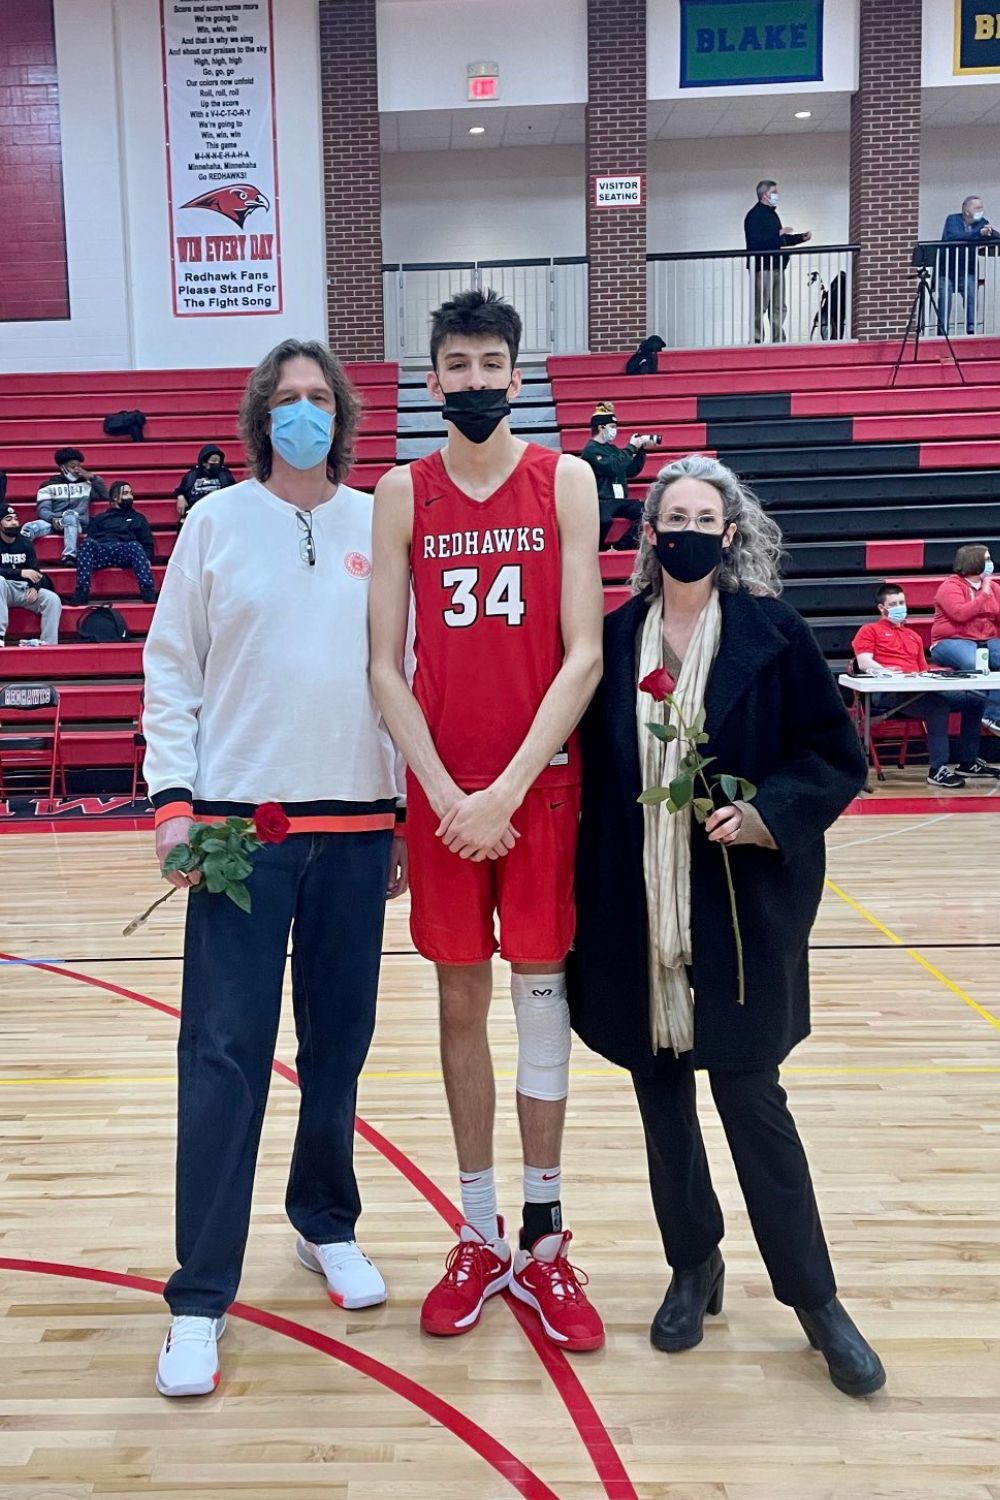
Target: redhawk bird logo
x=237, y=201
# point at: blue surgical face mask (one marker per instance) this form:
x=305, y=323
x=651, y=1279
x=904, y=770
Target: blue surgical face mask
x=988, y=567
x=302, y=433
x=773, y=199
x=610, y=433
x=897, y=613
x=978, y=216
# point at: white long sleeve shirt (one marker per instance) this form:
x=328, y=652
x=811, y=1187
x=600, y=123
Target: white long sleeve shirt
x=256, y=667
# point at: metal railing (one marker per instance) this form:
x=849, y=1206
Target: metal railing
x=550, y=295
x=727, y=298
x=696, y=299
x=965, y=283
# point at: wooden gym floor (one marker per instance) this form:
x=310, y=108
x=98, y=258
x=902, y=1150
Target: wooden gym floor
x=896, y=1095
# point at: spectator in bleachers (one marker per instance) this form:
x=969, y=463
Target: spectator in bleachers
x=64, y=502
x=765, y=234
x=959, y=267
x=967, y=617
x=208, y=475
x=22, y=583
x=120, y=537
x=888, y=646
x=614, y=467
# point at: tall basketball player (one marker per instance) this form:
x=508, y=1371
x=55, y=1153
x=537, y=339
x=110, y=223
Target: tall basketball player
x=499, y=540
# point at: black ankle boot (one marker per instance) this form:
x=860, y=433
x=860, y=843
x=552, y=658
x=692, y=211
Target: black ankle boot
x=855, y=1368
x=691, y=1294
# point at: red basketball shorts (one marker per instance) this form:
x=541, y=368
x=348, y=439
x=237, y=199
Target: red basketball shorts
x=453, y=901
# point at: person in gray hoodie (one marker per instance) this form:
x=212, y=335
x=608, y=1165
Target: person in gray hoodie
x=64, y=502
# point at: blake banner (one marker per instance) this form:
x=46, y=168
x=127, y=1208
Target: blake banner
x=730, y=42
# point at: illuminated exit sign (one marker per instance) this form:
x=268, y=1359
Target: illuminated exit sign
x=484, y=81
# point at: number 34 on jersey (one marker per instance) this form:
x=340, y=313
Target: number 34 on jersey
x=471, y=596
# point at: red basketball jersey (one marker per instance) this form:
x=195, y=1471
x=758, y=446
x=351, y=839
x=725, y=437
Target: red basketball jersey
x=487, y=581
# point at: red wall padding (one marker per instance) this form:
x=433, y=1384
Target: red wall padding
x=33, y=273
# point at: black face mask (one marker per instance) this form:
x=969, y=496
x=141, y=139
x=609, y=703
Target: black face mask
x=688, y=556
x=8, y=533
x=126, y=502
x=476, y=414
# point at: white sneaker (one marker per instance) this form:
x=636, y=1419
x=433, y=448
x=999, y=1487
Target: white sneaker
x=352, y=1280
x=189, y=1360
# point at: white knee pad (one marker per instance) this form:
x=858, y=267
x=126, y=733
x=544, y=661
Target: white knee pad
x=543, y=1035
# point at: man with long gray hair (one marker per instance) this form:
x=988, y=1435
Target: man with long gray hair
x=257, y=691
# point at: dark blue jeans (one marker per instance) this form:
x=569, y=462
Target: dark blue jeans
x=936, y=709
x=329, y=890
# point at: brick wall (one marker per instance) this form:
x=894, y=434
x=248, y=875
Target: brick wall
x=885, y=165
x=616, y=145
x=33, y=272
x=352, y=174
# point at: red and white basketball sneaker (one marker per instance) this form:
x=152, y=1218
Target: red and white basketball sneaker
x=352, y=1280
x=189, y=1359
x=476, y=1269
x=545, y=1280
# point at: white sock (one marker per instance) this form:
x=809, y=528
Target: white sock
x=479, y=1202
x=542, y=1184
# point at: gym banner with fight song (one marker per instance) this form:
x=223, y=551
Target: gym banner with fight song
x=222, y=169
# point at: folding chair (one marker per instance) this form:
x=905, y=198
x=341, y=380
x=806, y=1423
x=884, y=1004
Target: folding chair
x=34, y=701
x=883, y=727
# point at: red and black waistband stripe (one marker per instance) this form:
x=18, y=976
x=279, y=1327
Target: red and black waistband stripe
x=316, y=816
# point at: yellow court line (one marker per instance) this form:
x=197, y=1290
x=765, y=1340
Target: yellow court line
x=917, y=958
x=833, y=1071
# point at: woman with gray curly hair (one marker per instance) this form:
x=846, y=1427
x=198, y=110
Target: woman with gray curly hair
x=713, y=686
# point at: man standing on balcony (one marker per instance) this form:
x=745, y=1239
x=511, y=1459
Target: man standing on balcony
x=765, y=232
x=958, y=268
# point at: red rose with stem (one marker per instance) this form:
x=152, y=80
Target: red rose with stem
x=221, y=851
x=681, y=791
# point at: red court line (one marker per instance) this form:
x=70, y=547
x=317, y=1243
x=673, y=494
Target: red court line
x=593, y=1434
x=875, y=806
x=524, y=1480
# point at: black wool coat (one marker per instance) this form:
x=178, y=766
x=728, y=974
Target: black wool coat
x=775, y=716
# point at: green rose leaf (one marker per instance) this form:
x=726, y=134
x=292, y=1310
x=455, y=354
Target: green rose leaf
x=654, y=796
x=703, y=808
x=697, y=723
x=748, y=790
x=181, y=857
x=239, y=895
x=215, y=880
x=681, y=790
x=665, y=732
x=730, y=787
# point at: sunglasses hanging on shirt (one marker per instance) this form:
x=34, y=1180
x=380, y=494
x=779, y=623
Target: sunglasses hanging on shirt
x=307, y=547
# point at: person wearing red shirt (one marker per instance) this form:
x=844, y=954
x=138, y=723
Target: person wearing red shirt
x=497, y=539
x=888, y=646
x=966, y=617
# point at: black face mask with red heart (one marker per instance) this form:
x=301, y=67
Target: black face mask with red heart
x=689, y=556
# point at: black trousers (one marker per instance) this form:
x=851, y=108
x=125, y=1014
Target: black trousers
x=628, y=510
x=771, y=1166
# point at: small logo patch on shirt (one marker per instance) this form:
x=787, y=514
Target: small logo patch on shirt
x=358, y=565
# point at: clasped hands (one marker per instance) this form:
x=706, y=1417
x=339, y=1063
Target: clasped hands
x=476, y=825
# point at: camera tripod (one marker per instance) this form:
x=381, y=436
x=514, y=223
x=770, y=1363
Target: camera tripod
x=915, y=323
